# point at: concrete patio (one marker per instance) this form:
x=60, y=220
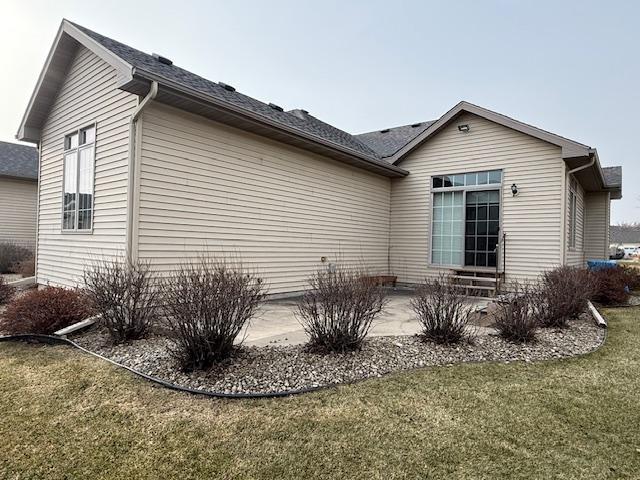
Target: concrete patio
x=276, y=323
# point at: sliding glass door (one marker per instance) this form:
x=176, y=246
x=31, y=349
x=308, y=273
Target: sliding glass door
x=465, y=219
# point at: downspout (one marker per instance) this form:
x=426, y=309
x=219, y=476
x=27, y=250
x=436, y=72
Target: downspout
x=132, y=183
x=35, y=249
x=564, y=201
x=582, y=167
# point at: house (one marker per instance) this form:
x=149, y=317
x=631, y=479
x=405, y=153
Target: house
x=626, y=237
x=143, y=158
x=18, y=194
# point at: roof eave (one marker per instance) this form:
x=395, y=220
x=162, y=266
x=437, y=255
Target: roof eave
x=370, y=163
x=19, y=177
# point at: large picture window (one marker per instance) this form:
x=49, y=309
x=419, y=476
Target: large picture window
x=79, y=159
x=466, y=219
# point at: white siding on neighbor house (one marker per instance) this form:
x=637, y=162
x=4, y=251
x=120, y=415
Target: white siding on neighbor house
x=18, y=211
x=88, y=95
x=532, y=220
x=597, y=207
x=574, y=256
x=279, y=209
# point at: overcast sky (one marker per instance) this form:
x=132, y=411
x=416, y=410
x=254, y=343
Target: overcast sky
x=569, y=67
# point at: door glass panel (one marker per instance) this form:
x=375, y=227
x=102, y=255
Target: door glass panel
x=482, y=228
x=447, y=226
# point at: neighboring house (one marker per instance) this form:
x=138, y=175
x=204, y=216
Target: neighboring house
x=143, y=158
x=625, y=236
x=18, y=194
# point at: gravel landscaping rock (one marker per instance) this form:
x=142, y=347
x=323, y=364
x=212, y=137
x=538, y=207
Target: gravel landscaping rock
x=288, y=368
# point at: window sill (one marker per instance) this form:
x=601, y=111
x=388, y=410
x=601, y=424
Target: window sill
x=76, y=232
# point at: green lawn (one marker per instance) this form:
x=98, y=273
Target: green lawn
x=66, y=415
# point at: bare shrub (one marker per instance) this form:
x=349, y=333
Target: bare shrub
x=25, y=268
x=564, y=294
x=612, y=286
x=10, y=254
x=338, y=310
x=125, y=294
x=443, y=311
x=6, y=291
x=632, y=275
x=207, y=303
x=516, y=314
x=45, y=311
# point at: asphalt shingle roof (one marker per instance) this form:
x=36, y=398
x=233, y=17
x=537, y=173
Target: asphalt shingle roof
x=388, y=141
x=19, y=161
x=625, y=233
x=145, y=62
x=612, y=176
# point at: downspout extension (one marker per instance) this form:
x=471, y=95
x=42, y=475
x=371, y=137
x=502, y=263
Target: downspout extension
x=132, y=183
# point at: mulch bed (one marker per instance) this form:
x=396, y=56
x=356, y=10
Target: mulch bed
x=288, y=368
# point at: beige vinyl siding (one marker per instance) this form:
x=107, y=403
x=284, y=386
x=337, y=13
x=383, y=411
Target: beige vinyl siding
x=279, y=209
x=597, y=206
x=18, y=211
x=88, y=95
x=532, y=220
x=575, y=255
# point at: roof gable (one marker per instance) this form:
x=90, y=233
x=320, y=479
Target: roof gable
x=62, y=52
x=570, y=148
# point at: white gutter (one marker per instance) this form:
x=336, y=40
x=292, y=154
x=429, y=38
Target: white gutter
x=132, y=183
x=582, y=167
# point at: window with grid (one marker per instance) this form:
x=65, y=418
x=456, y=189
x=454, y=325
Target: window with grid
x=79, y=160
x=466, y=219
x=572, y=213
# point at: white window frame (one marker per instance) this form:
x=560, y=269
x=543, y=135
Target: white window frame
x=467, y=188
x=78, y=149
x=573, y=213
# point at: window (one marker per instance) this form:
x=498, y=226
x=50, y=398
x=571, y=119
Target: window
x=466, y=219
x=572, y=213
x=79, y=159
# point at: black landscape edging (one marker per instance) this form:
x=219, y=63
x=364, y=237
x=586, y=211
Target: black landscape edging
x=56, y=340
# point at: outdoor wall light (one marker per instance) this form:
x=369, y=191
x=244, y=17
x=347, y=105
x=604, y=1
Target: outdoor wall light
x=463, y=128
x=514, y=189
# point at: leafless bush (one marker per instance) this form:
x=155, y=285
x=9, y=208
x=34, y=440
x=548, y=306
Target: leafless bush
x=564, y=294
x=6, y=291
x=339, y=309
x=10, y=254
x=25, y=268
x=208, y=302
x=613, y=285
x=443, y=311
x=45, y=311
x=126, y=294
x=516, y=315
